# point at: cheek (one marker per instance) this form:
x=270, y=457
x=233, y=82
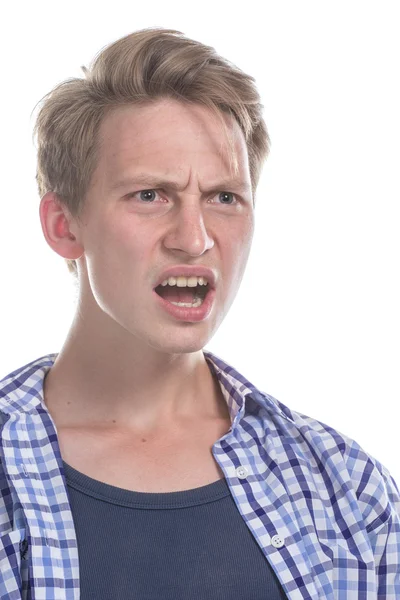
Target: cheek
x=122, y=238
x=112, y=251
x=236, y=252
x=241, y=239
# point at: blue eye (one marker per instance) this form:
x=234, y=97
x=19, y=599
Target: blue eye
x=147, y=195
x=150, y=195
x=226, y=196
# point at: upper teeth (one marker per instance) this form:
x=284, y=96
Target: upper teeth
x=185, y=281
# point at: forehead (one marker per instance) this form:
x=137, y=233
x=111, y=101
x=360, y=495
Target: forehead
x=173, y=136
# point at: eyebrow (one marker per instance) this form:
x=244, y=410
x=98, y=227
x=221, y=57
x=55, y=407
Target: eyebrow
x=153, y=182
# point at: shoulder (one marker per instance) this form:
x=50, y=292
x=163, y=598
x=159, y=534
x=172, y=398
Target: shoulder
x=22, y=389
x=343, y=465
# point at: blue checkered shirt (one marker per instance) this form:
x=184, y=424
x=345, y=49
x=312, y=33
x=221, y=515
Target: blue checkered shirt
x=325, y=514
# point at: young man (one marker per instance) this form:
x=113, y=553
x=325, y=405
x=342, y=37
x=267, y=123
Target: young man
x=133, y=463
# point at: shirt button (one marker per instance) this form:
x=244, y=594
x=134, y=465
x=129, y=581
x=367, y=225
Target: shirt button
x=242, y=472
x=278, y=541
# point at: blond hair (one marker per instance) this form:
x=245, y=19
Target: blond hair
x=139, y=68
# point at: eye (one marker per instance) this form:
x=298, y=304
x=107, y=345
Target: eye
x=147, y=195
x=224, y=197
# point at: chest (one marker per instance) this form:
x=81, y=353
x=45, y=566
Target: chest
x=145, y=464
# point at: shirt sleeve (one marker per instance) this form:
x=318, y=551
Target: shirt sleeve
x=385, y=542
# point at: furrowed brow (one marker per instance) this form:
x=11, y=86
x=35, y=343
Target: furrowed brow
x=229, y=185
x=152, y=182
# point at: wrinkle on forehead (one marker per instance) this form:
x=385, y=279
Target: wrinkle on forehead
x=176, y=139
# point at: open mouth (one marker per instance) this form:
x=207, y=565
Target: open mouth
x=185, y=296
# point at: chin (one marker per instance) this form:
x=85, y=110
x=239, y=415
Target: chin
x=180, y=342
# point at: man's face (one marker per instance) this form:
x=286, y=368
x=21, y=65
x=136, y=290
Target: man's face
x=130, y=238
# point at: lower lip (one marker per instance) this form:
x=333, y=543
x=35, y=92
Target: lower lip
x=182, y=313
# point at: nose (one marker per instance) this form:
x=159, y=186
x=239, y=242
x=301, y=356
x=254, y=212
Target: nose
x=187, y=230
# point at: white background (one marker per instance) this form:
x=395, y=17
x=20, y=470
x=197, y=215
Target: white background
x=316, y=321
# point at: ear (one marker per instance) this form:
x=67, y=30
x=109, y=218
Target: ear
x=57, y=226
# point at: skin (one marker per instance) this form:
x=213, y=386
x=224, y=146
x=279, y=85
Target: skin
x=125, y=362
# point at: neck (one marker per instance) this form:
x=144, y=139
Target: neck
x=101, y=383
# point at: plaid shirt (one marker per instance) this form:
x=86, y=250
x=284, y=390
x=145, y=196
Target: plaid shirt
x=325, y=514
